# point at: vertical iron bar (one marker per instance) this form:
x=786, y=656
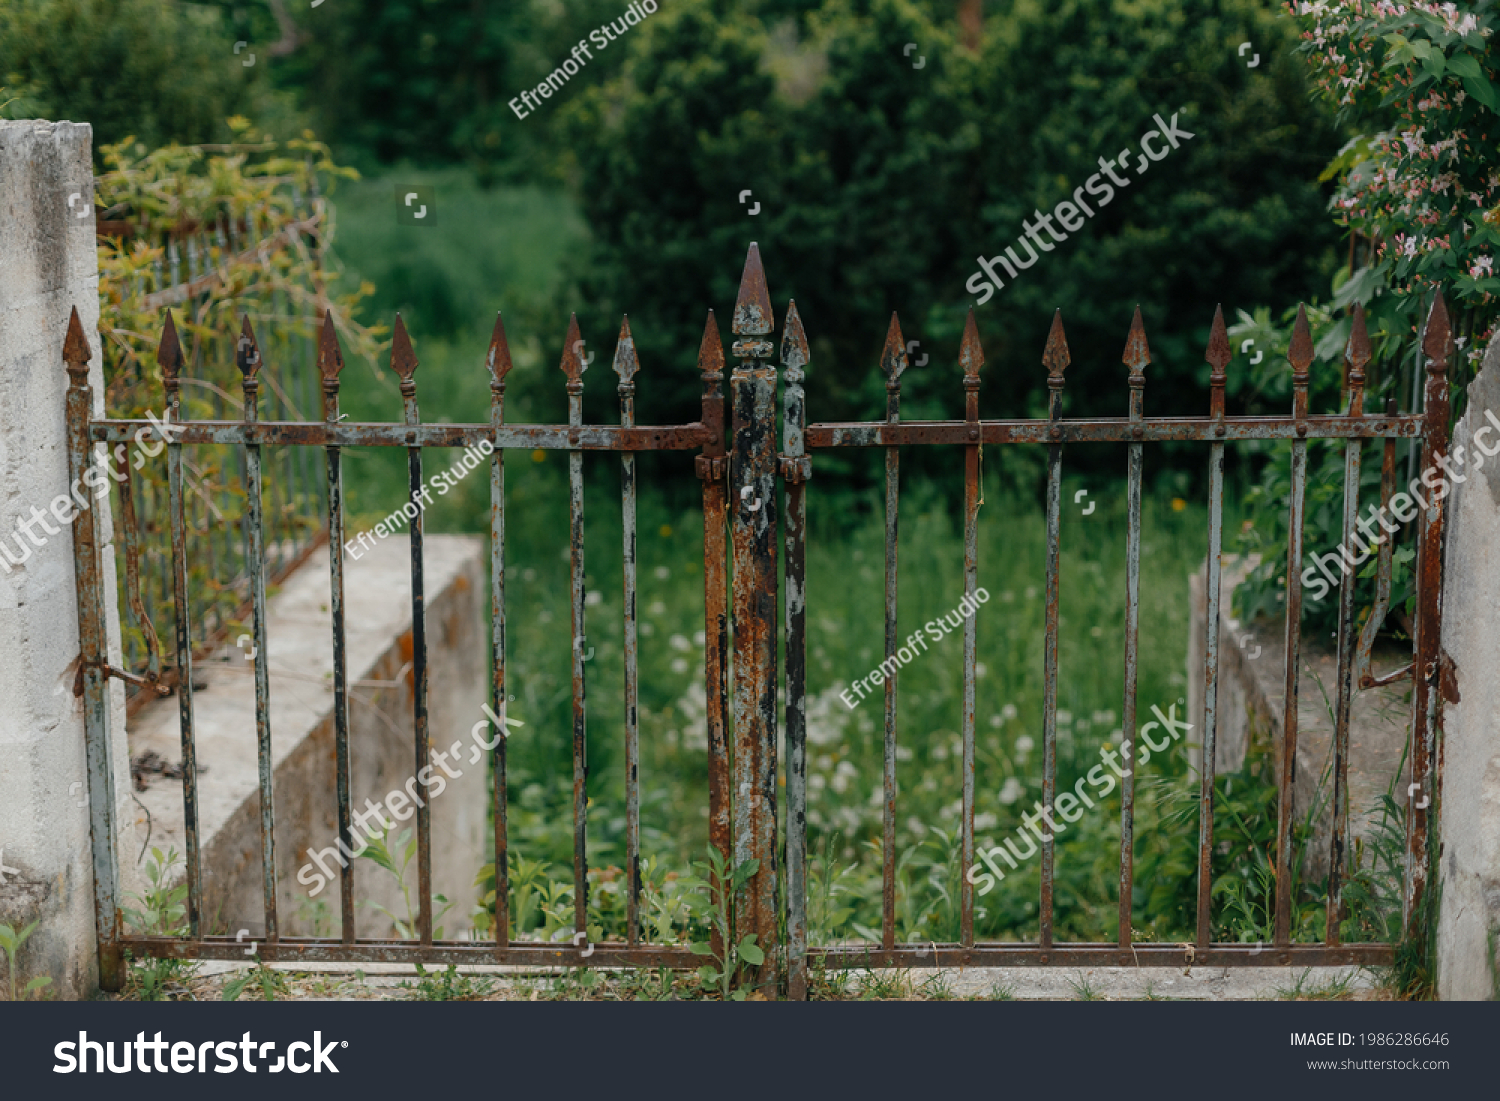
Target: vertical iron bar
x=893, y=361
x=1218, y=356
x=573, y=365
x=1137, y=355
x=93, y=655
x=247, y=357
x=1356, y=355
x=404, y=363
x=499, y=364
x=330, y=363
x=169, y=357
x=796, y=469
x=1054, y=356
x=711, y=467
x=1300, y=356
x=755, y=619
x=625, y=367
x=970, y=358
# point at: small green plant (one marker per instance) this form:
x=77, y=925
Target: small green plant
x=160, y=912
x=447, y=986
x=379, y=849
x=712, y=906
x=1083, y=991
x=937, y=988
x=10, y=943
x=885, y=985
x=1335, y=988
x=270, y=981
x=1002, y=992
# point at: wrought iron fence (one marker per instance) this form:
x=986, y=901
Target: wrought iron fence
x=741, y=473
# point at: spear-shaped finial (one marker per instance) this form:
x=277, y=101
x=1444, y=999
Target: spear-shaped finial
x=625, y=363
x=497, y=359
x=752, y=309
x=711, y=351
x=76, y=352
x=403, y=359
x=794, y=353
x=1055, y=356
x=1218, y=356
x=1300, y=352
x=573, y=363
x=893, y=359
x=1357, y=351
x=1137, y=351
x=330, y=355
x=169, y=354
x=247, y=352
x=970, y=353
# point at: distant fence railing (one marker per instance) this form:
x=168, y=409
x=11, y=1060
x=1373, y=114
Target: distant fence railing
x=213, y=248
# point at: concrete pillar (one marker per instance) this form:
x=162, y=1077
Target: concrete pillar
x=1469, y=868
x=48, y=265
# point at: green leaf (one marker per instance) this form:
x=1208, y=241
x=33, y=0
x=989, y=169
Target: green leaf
x=701, y=948
x=737, y=995
x=751, y=952
x=708, y=973
x=38, y=983
x=1482, y=90
x=1464, y=65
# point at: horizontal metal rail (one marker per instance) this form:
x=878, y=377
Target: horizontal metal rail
x=594, y=437
x=1110, y=430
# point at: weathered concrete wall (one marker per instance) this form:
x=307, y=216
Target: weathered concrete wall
x=1469, y=814
x=1252, y=693
x=378, y=652
x=48, y=265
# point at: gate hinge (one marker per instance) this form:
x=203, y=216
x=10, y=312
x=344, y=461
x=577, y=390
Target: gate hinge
x=711, y=468
x=796, y=469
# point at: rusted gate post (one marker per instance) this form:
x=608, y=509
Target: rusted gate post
x=93, y=671
x=752, y=482
x=1421, y=808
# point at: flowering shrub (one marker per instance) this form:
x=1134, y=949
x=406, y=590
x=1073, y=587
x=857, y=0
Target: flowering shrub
x=1420, y=186
x=1425, y=188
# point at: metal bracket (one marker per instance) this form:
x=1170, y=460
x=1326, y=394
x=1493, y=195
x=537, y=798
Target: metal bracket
x=151, y=681
x=797, y=469
x=1448, y=678
x=711, y=468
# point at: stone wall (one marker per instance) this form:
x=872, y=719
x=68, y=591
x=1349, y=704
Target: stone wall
x=48, y=265
x=1469, y=810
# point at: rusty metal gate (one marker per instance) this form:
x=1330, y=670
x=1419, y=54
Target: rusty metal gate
x=743, y=774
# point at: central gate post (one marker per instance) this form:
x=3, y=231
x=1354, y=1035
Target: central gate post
x=752, y=484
